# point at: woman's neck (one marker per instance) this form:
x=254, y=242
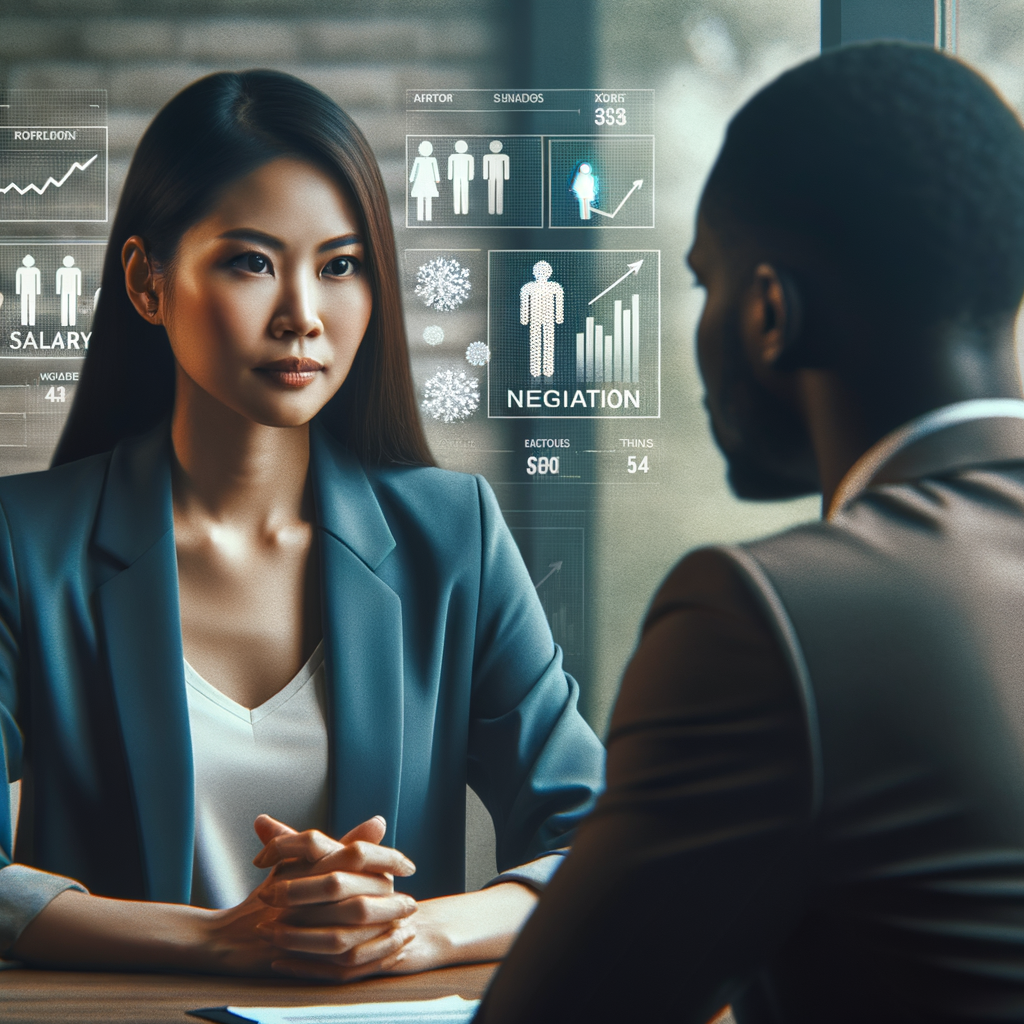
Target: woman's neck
x=229, y=468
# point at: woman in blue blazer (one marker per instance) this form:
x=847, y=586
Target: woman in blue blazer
x=243, y=474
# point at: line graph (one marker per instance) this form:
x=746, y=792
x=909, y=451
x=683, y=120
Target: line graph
x=53, y=173
x=32, y=187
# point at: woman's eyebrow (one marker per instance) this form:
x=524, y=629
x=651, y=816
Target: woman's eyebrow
x=336, y=243
x=252, y=235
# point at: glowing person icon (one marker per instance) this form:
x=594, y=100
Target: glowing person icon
x=69, y=287
x=542, y=305
x=461, y=168
x=28, y=283
x=495, y=171
x=584, y=188
x=425, y=176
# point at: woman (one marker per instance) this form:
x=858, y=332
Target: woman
x=425, y=176
x=242, y=588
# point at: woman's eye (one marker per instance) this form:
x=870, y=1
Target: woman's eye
x=254, y=262
x=342, y=266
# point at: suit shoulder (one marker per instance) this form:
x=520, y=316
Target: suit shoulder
x=720, y=577
x=441, y=492
x=706, y=578
x=73, y=486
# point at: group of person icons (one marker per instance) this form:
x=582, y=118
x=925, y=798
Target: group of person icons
x=28, y=284
x=426, y=176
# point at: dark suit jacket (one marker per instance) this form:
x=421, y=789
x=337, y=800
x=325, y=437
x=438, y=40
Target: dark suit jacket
x=815, y=802
x=439, y=662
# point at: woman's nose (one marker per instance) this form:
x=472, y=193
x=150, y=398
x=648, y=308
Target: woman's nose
x=298, y=315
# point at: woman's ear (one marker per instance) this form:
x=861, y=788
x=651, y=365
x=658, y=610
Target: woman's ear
x=143, y=282
x=772, y=318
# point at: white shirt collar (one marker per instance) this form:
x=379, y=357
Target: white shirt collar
x=860, y=474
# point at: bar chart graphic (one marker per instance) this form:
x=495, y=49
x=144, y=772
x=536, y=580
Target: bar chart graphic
x=574, y=333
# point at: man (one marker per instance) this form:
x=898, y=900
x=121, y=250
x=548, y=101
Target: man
x=815, y=801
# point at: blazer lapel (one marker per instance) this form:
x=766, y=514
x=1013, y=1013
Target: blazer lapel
x=362, y=621
x=142, y=628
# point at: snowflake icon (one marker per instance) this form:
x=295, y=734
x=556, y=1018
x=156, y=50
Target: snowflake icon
x=450, y=396
x=443, y=284
x=478, y=354
x=433, y=335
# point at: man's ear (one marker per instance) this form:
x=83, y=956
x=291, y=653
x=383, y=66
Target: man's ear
x=772, y=319
x=143, y=282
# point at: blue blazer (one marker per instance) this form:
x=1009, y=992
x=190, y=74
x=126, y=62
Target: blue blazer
x=439, y=661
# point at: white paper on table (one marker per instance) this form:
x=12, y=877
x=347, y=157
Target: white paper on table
x=449, y=1010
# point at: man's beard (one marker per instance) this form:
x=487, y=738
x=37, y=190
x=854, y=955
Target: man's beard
x=770, y=455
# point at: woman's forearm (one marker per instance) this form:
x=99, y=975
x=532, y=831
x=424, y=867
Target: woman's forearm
x=79, y=930
x=473, y=926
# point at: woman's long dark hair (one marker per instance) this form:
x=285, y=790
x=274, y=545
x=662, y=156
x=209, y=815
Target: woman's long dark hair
x=214, y=132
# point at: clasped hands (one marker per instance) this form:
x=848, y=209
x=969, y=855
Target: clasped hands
x=328, y=909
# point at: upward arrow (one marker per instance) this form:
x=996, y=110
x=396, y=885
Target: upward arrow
x=636, y=185
x=554, y=567
x=634, y=268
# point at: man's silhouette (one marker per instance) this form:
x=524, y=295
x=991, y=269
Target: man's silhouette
x=28, y=283
x=542, y=305
x=461, y=169
x=69, y=287
x=815, y=792
x=495, y=171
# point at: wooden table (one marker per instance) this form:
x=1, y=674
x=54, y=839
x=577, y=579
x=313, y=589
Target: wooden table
x=48, y=997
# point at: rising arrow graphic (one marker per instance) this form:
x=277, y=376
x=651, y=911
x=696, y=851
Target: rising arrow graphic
x=636, y=185
x=554, y=567
x=634, y=268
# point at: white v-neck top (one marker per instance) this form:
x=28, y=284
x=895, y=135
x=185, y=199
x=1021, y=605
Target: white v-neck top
x=266, y=760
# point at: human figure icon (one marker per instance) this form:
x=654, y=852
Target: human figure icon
x=69, y=287
x=461, y=169
x=495, y=171
x=584, y=188
x=542, y=305
x=425, y=176
x=28, y=283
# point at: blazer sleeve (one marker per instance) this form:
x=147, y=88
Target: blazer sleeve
x=533, y=760
x=24, y=891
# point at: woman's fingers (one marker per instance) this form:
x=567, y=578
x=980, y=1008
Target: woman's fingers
x=371, y=831
x=343, y=947
x=310, y=846
x=268, y=828
x=368, y=858
x=358, y=857
x=372, y=955
x=332, y=887
x=360, y=910
x=346, y=946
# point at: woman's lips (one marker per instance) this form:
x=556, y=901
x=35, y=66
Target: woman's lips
x=291, y=372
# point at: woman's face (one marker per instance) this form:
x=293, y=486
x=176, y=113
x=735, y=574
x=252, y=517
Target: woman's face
x=268, y=297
